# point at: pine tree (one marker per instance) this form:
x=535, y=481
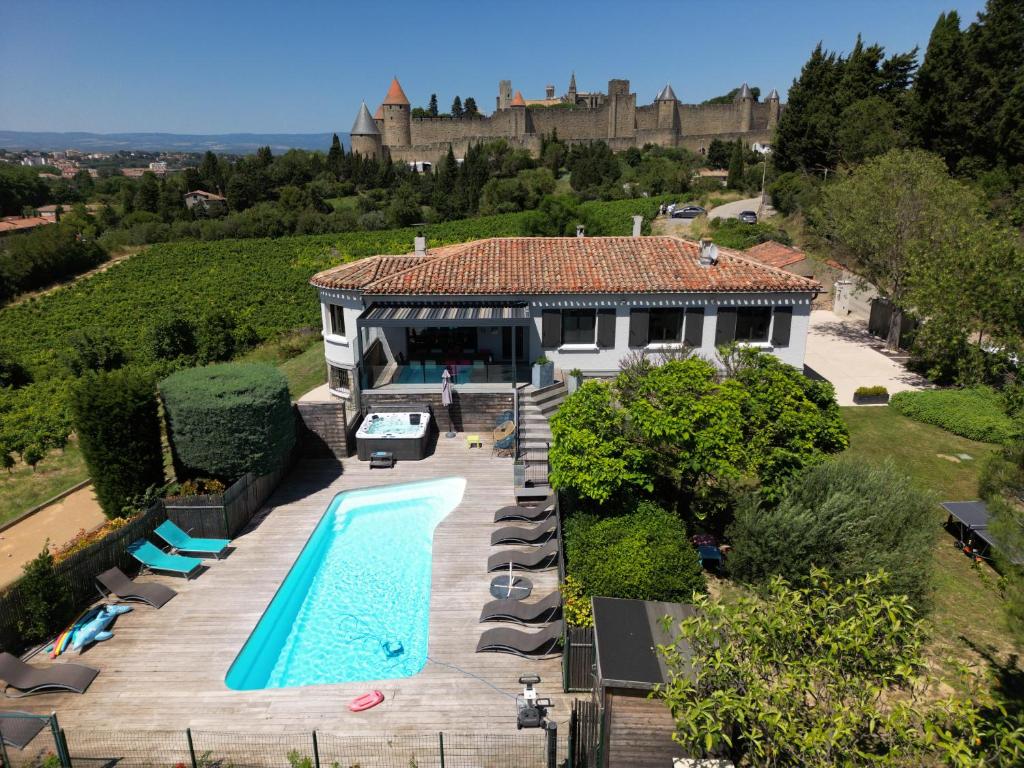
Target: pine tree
x=470, y=108
x=210, y=173
x=941, y=92
x=457, y=107
x=735, y=178
x=432, y=107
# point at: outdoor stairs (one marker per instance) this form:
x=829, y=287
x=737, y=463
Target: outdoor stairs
x=535, y=408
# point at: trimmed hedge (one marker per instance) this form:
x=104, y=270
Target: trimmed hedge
x=975, y=413
x=226, y=420
x=118, y=424
x=876, y=391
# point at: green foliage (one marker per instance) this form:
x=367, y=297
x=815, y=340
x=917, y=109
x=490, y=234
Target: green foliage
x=226, y=420
x=173, y=338
x=735, y=177
x=576, y=607
x=876, y=391
x=975, y=413
x=593, y=167
x=115, y=415
x=92, y=352
x=44, y=597
x=642, y=555
x=733, y=233
x=20, y=188
x=792, y=191
x=845, y=516
x=43, y=256
x=12, y=373
x=215, y=337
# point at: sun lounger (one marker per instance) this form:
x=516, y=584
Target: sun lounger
x=120, y=586
x=156, y=559
x=525, y=644
x=541, y=612
x=28, y=679
x=538, y=559
x=17, y=729
x=528, y=511
x=182, y=542
x=514, y=534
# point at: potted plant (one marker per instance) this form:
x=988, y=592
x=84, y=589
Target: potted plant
x=877, y=395
x=574, y=380
x=543, y=372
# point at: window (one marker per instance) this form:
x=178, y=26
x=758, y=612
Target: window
x=752, y=323
x=578, y=326
x=665, y=325
x=337, y=319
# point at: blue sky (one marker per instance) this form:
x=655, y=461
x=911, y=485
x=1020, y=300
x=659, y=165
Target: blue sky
x=219, y=66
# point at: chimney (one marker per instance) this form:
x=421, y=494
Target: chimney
x=421, y=245
x=708, y=253
x=549, y=91
x=579, y=230
x=638, y=224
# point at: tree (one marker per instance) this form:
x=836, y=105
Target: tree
x=457, y=110
x=92, y=351
x=116, y=417
x=336, y=157
x=173, y=338
x=20, y=188
x=148, y=196
x=210, y=174
x=942, y=116
x=432, y=107
x=828, y=674
x=735, y=178
x=867, y=127
x=45, y=599
x=470, y=109
x=215, y=337
x=719, y=154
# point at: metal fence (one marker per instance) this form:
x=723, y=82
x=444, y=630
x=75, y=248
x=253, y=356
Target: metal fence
x=578, y=659
x=28, y=741
x=586, y=735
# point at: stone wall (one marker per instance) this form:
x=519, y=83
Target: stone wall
x=470, y=411
x=322, y=430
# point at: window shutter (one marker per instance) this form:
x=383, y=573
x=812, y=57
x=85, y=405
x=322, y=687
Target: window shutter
x=639, y=327
x=693, y=332
x=551, y=329
x=606, y=328
x=781, y=327
x=725, y=328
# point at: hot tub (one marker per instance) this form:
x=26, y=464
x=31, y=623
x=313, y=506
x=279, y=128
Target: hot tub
x=404, y=434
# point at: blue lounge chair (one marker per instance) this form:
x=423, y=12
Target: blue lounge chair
x=182, y=542
x=155, y=559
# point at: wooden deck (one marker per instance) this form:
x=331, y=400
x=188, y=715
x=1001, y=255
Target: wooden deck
x=164, y=669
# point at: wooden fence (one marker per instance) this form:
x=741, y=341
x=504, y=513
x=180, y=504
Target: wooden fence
x=586, y=735
x=578, y=660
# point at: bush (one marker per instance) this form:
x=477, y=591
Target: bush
x=876, y=391
x=975, y=413
x=226, y=420
x=576, y=604
x=115, y=415
x=844, y=516
x=642, y=555
x=44, y=597
x=174, y=338
x=733, y=233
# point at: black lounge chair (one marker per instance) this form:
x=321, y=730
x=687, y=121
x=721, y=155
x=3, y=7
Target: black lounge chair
x=123, y=588
x=529, y=511
x=538, y=559
x=541, y=612
x=514, y=534
x=17, y=729
x=525, y=644
x=28, y=679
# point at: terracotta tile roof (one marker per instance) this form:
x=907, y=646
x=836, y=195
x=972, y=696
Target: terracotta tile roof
x=205, y=194
x=775, y=254
x=561, y=265
x=20, y=223
x=379, y=114
x=396, y=95
x=518, y=100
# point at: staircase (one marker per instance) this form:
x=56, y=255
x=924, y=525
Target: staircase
x=535, y=408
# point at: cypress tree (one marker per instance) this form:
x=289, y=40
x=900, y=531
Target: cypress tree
x=735, y=178
x=470, y=109
x=336, y=157
x=457, y=107
x=432, y=107
x=942, y=92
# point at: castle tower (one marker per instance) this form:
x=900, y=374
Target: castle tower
x=378, y=118
x=667, y=115
x=571, y=93
x=746, y=101
x=518, y=107
x=773, y=109
x=365, y=135
x=397, y=117
x=504, y=93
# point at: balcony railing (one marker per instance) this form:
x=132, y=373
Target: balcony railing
x=374, y=376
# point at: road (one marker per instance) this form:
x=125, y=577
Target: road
x=667, y=226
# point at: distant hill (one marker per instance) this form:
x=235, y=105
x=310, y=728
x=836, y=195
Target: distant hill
x=233, y=143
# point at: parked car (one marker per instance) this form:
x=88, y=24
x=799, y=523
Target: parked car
x=747, y=217
x=689, y=212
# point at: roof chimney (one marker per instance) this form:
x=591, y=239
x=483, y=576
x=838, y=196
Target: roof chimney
x=421, y=245
x=579, y=230
x=708, y=253
x=638, y=225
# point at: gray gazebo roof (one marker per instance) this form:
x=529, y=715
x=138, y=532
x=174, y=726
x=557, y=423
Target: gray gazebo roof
x=666, y=94
x=364, y=125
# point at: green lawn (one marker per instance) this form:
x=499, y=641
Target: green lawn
x=344, y=203
x=967, y=613
x=22, y=489
x=300, y=357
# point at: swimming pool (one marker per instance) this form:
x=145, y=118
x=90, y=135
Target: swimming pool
x=359, y=589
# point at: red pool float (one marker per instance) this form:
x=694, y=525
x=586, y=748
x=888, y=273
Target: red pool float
x=366, y=701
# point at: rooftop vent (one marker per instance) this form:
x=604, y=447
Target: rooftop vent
x=708, y=253
x=638, y=225
x=580, y=232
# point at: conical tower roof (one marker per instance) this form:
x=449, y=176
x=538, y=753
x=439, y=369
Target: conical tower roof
x=396, y=95
x=666, y=94
x=774, y=95
x=379, y=114
x=518, y=100
x=745, y=92
x=364, y=124
x=572, y=82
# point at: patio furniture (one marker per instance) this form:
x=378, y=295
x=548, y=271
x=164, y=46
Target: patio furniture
x=538, y=559
x=123, y=588
x=182, y=542
x=515, y=534
x=17, y=729
x=543, y=611
x=525, y=644
x=709, y=556
x=531, y=514
x=155, y=559
x=382, y=460
x=474, y=441
x=28, y=679
x=519, y=588
x=969, y=520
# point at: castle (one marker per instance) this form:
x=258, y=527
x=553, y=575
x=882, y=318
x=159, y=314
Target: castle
x=612, y=117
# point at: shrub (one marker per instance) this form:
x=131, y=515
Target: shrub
x=173, y=338
x=576, y=604
x=215, y=337
x=226, y=420
x=93, y=351
x=44, y=597
x=643, y=555
x=115, y=414
x=876, y=391
x=975, y=413
x=845, y=516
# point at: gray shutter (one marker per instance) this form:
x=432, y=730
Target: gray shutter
x=606, y=328
x=551, y=329
x=781, y=327
x=693, y=332
x=639, y=327
x=725, y=328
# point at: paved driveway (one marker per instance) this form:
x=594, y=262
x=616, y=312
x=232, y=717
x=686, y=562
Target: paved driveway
x=735, y=208
x=843, y=352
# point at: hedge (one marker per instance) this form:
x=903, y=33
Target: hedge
x=118, y=424
x=226, y=420
x=975, y=413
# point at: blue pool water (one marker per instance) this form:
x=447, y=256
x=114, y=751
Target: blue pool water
x=362, y=582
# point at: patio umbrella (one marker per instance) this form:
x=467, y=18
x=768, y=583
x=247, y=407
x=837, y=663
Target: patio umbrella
x=446, y=400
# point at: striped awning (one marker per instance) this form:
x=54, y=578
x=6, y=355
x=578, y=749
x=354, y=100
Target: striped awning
x=438, y=314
